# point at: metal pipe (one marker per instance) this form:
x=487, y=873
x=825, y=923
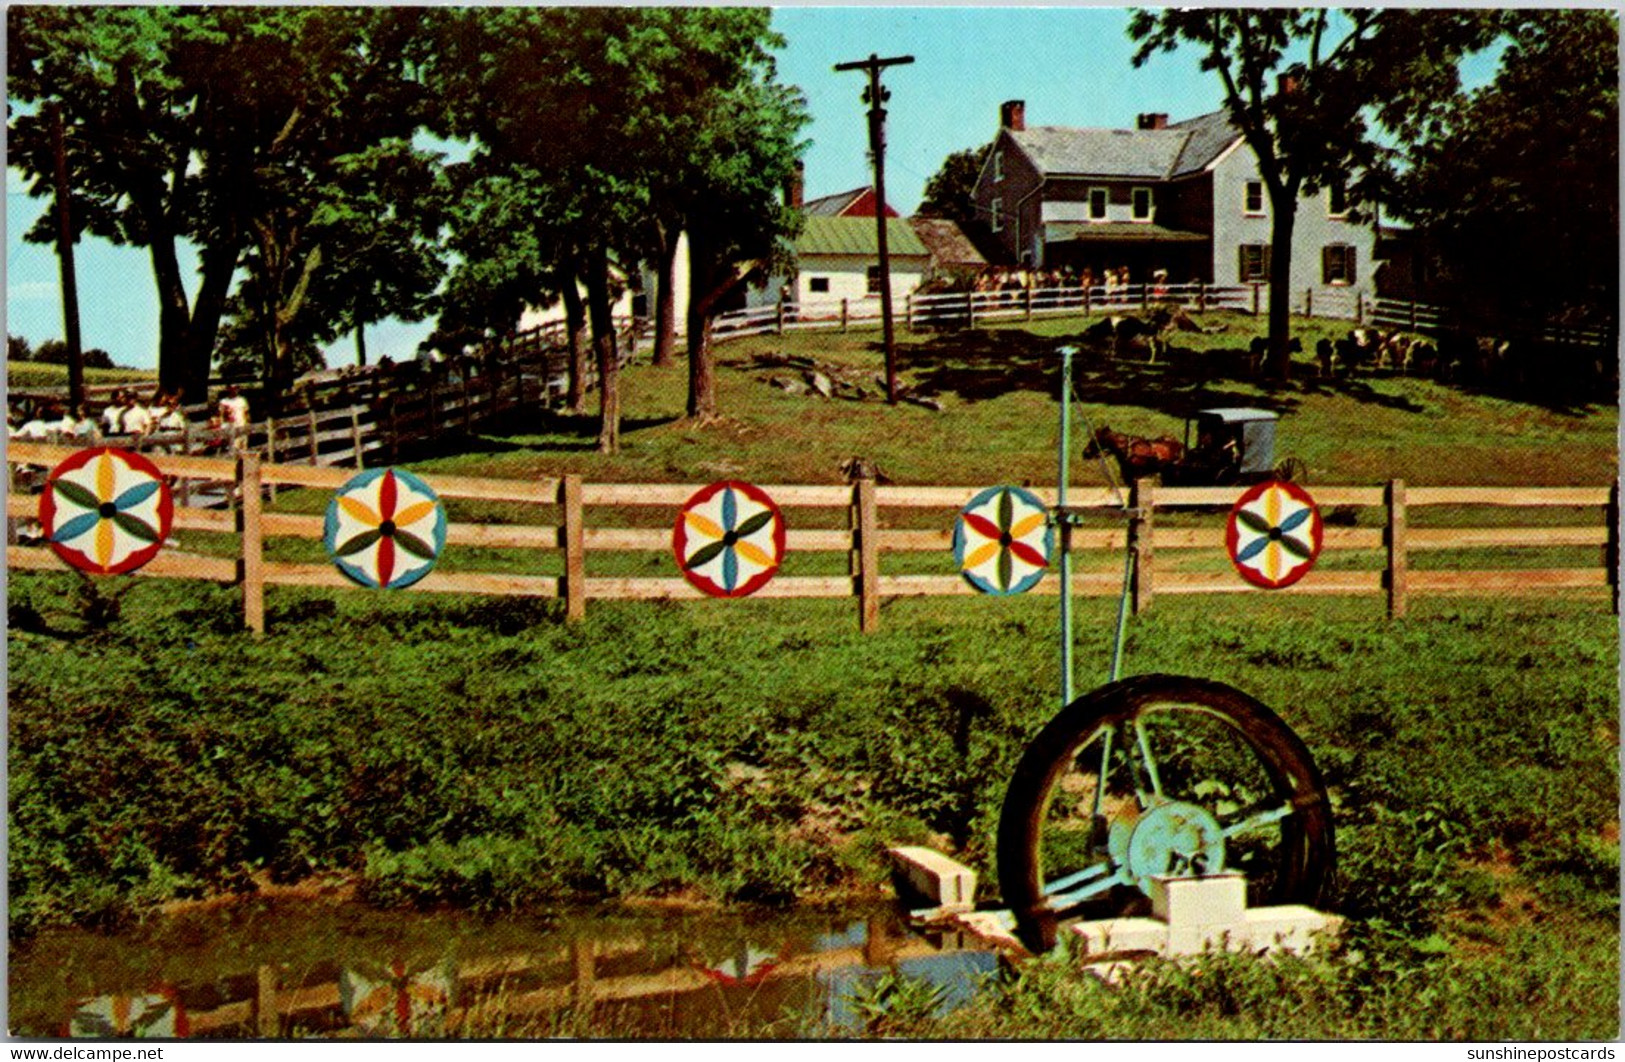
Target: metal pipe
x=1066, y=525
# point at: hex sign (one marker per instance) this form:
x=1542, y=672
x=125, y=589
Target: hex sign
x=1274, y=534
x=1003, y=541
x=385, y=528
x=106, y=511
x=729, y=539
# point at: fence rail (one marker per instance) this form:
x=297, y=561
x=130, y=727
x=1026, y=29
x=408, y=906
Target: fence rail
x=968, y=309
x=879, y=525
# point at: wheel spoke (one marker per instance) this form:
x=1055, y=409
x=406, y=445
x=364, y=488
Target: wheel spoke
x=1060, y=885
x=1062, y=902
x=1146, y=760
x=1258, y=820
x=1105, y=769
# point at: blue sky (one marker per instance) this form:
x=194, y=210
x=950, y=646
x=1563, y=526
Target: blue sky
x=1070, y=65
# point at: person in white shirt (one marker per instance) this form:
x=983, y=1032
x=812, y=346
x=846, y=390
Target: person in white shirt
x=136, y=419
x=234, y=409
x=113, y=415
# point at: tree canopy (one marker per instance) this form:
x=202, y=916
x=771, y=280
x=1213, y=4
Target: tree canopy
x=1516, y=186
x=1309, y=89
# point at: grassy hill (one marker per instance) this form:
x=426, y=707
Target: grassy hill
x=998, y=423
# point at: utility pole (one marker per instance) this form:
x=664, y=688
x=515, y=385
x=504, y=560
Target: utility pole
x=64, y=253
x=876, y=96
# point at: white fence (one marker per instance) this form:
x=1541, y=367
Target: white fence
x=968, y=309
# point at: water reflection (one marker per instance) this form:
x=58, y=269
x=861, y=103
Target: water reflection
x=267, y=969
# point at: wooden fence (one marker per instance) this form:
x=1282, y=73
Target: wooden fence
x=1176, y=534
x=471, y=993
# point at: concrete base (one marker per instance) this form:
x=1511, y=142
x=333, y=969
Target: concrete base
x=948, y=886
x=1192, y=915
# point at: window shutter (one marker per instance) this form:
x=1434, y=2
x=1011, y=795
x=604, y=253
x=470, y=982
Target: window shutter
x=1241, y=264
x=1350, y=273
x=1266, y=254
x=1327, y=266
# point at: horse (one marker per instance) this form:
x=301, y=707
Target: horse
x=1137, y=456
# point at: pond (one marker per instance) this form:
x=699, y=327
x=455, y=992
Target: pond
x=287, y=968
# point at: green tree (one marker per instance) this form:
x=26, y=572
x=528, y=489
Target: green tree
x=1308, y=89
x=950, y=193
x=1518, y=185
x=210, y=125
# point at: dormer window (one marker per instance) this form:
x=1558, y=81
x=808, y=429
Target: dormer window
x=998, y=164
x=1253, y=198
x=1142, y=204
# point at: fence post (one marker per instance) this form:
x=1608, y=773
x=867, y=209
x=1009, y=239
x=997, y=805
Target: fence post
x=270, y=447
x=1611, y=554
x=1413, y=315
x=310, y=424
x=908, y=311
x=185, y=482
x=575, y=551
x=843, y=315
x=970, y=309
x=778, y=316
x=1308, y=302
x=1398, y=562
x=1086, y=310
x=251, y=572
x=867, y=554
x=1201, y=296
x=1027, y=302
x=267, y=1019
x=1255, y=300
x=1144, y=501
x=394, y=438
x=355, y=434
x=1359, y=307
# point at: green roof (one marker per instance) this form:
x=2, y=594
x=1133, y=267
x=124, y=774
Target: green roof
x=857, y=236
x=1116, y=232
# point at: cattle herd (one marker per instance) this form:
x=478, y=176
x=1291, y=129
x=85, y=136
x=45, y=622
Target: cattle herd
x=1453, y=357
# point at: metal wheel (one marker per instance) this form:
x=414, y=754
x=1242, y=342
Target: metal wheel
x=1156, y=775
x=1292, y=470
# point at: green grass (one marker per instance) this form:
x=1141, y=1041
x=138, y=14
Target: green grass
x=1000, y=417
x=35, y=374
x=481, y=752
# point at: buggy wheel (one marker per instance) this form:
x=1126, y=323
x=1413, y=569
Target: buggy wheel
x=1292, y=470
x=1159, y=775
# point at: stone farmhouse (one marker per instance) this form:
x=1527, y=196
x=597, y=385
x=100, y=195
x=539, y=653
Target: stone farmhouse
x=1185, y=197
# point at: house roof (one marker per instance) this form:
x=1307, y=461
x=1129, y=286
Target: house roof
x=1154, y=154
x=857, y=236
x=859, y=202
x=947, y=242
x=1117, y=232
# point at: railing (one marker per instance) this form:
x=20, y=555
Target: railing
x=871, y=531
x=968, y=309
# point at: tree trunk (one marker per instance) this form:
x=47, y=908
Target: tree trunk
x=603, y=341
x=361, y=344
x=702, y=380
x=666, y=306
x=1283, y=211
x=575, y=322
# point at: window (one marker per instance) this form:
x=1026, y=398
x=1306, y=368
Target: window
x=1142, y=204
x=818, y=285
x=996, y=210
x=1337, y=264
x=1097, y=204
x=1254, y=264
x=998, y=165
x=1254, y=199
x=874, y=280
x=1337, y=201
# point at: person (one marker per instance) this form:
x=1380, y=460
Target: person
x=37, y=428
x=1159, y=284
x=76, y=424
x=134, y=418
x=233, y=408
x=113, y=414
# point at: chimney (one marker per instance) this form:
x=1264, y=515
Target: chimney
x=1013, y=115
x=1151, y=121
x=794, y=187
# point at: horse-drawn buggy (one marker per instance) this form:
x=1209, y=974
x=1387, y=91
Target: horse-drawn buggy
x=1222, y=446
